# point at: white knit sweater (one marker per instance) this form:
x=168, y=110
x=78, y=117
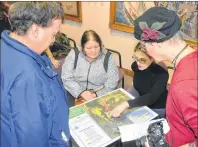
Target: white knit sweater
x=89, y=75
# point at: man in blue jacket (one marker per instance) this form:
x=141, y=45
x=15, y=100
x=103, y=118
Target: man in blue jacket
x=34, y=109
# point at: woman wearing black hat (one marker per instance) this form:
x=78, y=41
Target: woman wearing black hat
x=158, y=29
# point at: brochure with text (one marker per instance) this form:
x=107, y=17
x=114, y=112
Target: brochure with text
x=91, y=125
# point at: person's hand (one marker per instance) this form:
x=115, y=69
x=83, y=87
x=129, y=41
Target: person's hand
x=118, y=110
x=55, y=62
x=146, y=144
x=87, y=95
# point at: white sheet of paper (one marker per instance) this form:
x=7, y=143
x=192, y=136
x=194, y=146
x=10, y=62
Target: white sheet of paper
x=135, y=131
x=88, y=133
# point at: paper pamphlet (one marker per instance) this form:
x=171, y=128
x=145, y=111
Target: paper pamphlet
x=138, y=130
x=91, y=125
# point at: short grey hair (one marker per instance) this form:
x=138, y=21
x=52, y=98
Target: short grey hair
x=23, y=15
x=176, y=37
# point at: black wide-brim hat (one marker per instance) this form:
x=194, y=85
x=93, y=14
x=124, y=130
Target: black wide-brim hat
x=157, y=24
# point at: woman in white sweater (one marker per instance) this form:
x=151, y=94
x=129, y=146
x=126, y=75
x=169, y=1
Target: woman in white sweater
x=89, y=78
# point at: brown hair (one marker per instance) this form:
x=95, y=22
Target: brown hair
x=139, y=47
x=88, y=35
x=4, y=7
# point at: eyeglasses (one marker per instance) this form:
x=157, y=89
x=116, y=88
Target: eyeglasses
x=140, y=60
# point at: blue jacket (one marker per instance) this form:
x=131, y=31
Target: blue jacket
x=34, y=109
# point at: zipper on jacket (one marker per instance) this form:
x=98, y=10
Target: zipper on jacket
x=88, y=75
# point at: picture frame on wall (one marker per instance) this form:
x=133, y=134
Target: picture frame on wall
x=72, y=10
x=123, y=14
x=188, y=11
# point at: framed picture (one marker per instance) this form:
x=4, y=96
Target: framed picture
x=72, y=10
x=188, y=11
x=123, y=14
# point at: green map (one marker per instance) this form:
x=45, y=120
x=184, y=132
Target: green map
x=98, y=109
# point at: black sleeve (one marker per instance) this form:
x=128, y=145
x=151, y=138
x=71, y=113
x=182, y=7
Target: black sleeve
x=151, y=97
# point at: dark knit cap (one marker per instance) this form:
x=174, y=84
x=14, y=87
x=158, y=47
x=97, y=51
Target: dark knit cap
x=157, y=24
